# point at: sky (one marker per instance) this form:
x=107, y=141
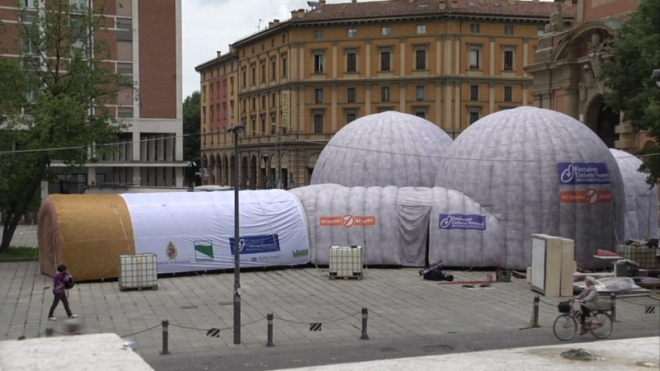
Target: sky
x=211, y=25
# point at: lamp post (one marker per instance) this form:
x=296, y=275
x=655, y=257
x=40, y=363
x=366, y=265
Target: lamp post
x=278, y=176
x=236, y=129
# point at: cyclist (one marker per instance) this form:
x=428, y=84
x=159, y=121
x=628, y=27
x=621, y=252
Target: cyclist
x=588, y=300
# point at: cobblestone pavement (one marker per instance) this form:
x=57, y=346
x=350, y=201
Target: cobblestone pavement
x=399, y=302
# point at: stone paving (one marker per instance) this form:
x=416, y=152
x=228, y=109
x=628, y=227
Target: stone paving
x=25, y=236
x=400, y=304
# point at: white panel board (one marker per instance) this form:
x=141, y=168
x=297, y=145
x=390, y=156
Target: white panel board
x=538, y=263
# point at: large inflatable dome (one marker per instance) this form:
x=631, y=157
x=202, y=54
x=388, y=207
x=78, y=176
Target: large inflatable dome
x=641, y=199
x=384, y=149
x=538, y=171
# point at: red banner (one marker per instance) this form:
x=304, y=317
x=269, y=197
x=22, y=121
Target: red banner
x=347, y=221
x=591, y=196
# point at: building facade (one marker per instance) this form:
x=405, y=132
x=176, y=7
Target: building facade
x=298, y=82
x=144, y=42
x=567, y=64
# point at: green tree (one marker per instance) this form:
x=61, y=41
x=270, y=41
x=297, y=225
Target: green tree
x=191, y=124
x=628, y=78
x=53, y=101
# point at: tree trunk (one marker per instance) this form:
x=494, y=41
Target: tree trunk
x=19, y=208
x=8, y=229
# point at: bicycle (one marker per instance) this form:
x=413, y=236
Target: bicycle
x=566, y=324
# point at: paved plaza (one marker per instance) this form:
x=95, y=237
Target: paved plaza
x=399, y=302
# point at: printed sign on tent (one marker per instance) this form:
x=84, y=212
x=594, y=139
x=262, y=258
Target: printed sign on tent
x=203, y=250
x=256, y=244
x=347, y=221
x=583, y=173
x=590, y=196
x=463, y=221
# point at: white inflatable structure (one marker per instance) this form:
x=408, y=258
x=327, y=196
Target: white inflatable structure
x=187, y=231
x=194, y=231
x=384, y=149
x=537, y=171
x=339, y=215
x=396, y=226
x=511, y=174
x=641, y=217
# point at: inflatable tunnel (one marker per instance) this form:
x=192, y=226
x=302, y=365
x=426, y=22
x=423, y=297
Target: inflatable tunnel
x=188, y=231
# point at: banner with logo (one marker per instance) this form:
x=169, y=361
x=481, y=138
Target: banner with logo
x=583, y=173
x=590, y=196
x=193, y=231
x=347, y=221
x=463, y=221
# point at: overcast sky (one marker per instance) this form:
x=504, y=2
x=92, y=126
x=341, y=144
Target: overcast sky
x=211, y=25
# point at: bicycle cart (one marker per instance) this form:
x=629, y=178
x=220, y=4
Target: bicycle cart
x=599, y=323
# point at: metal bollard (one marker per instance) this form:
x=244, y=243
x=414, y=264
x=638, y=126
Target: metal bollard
x=165, y=323
x=365, y=317
x=613, y=306
x=269, y=317
x=535, y=317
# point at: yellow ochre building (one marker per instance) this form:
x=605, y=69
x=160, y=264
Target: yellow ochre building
x=297, y=82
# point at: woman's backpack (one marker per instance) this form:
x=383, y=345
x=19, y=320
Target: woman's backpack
x=69, y=284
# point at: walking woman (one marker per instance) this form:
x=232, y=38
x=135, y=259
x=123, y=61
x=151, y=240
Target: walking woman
x=59, y=292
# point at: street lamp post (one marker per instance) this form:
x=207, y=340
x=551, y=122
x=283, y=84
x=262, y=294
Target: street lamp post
x=236, y=129
x=278, y=176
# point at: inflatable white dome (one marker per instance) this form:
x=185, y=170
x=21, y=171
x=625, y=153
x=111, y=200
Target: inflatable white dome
x=384, y=149
x=538, y=171
x=641, y=199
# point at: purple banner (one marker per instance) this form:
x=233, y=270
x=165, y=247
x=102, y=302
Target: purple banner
x=256, y=244
x=583, y=173
x=463, y=221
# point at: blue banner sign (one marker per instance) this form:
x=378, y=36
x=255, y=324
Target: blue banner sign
x=257, y=244
x=463, y=221
x=583, y=173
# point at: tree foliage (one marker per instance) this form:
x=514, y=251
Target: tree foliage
x=52, y=100
x=628, y=78
x=191, y=125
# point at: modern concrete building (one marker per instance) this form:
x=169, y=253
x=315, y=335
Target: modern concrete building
x=297, y=82
x=144, y=41
x=568, y=61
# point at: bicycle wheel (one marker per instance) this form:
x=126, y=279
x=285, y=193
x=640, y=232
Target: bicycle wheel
x=564, y=327
x=601, y=325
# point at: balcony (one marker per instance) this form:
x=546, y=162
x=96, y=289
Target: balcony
x=267, y=140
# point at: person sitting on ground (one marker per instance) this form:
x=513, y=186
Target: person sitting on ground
x=588, y=300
